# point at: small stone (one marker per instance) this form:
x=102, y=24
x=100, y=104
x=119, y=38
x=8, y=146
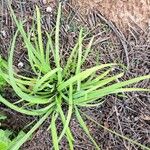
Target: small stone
x=4, y=33
x=20, y=64
x=136, y=118
x=44, y=2
x=49, y=9
x=146, y=70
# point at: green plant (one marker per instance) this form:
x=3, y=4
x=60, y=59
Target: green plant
x=3, y=66
x=6, y=142
x=2, y=117
x=53, y=87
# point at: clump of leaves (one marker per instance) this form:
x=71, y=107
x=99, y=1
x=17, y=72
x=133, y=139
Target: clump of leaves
x=6, y=142
x=4, y=139
x=2, y=117
x=52, y=86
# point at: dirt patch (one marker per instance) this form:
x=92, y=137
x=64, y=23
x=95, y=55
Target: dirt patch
x=124, y=13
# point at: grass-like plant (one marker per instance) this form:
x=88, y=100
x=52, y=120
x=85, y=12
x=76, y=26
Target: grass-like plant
x=53, y=87
x=3, y=65
x=6, y=141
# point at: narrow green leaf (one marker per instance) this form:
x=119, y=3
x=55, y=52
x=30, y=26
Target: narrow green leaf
x=25, y=38
x=54, y=133
x=92, y=82
x=19, y=92
x=48, y=50
x=20, y=135
x=57, y=43
x=83, y=75
x=55, y=118
x=40, y=34
x=78, y=69
x=97, y=104
x=68, y=131
x=99, y=84
x=104, y=82
x=46, y=77
x=92, y=96
x=87, y=50
x=51, y=45
x=131, y=90
x=66, y=125
x=21, y=110
x=2, y=116
x=17, y=145
x=69, y=61
x=83, y=125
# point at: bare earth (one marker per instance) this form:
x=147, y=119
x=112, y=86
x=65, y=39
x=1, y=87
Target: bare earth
x=124, y=13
